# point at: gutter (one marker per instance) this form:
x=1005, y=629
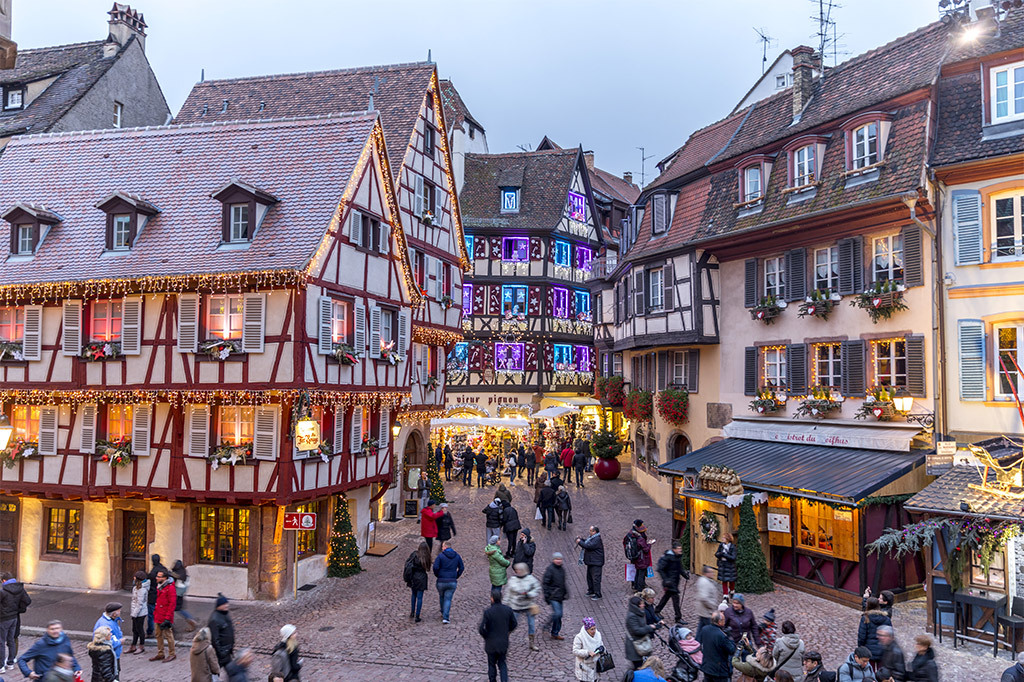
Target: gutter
x=950, y=512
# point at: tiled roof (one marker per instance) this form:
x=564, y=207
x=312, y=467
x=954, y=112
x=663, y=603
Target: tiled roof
x=690, y=203
x=1007, y=37
x=77, y=68
x=544, y=178
x=613, y=186
x=305, y=163
x=702, y=146
x=945, y=493
x=456, y=113
x=398, y=90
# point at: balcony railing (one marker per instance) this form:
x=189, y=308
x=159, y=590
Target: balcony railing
x=601, y=267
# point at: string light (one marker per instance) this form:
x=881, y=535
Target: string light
x=460, y=236
x=435, y=337
x=326, y=398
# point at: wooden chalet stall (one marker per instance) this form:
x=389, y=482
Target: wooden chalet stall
x=189, y=292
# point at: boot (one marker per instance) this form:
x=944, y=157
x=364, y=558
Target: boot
x=130, y=650
x=533, y=643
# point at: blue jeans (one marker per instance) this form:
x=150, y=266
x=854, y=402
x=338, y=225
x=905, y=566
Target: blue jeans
x=149, y=620
x=556, y=617
x=531, y=621
x=445, y=592
x=511, y=474
x=417, y=602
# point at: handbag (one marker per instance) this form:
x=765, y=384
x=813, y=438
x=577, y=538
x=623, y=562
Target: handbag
x=534, y=610
x=569, y=518
x=605, y=662
x=644, y=646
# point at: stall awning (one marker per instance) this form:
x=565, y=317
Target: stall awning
x=554, y=412
x=812, y=471
x=829, y=434
x=499, y=422
x=581, y=401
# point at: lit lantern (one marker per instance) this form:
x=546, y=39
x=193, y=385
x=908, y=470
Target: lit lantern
x=6, y=430
x=307, y=434
x=903, y=403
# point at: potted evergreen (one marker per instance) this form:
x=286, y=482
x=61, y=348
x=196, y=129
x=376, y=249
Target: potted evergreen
x=606, y=447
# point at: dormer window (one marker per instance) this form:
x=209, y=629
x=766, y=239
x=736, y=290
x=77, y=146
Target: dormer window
x=1007, y=92
x=866, y=136
x=243, y=209
x=239, y=223
x=865, y=145
x=659, y=213
x=121, y=238
x=25, y=239
x=804, y=169
x=29, y=226
x=753, y=177
x=510, y=200
x=804, y=155
x=752, y=183
x=127, y=215
x=14, y=98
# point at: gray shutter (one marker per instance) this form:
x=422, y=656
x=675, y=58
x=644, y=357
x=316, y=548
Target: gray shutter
x=618, y=303
x=131, y=325
x=658, y=216
x=796, y=369
x=851, y=266
x=972, y=359
x=669, y=280
x=750, y=370
x=88, y=432
x=913, y=261
x=32, y=334
x=627, y=295
x=967, y=239
x=663, y=369
x=692, y=369
x=915, y=366
x=638, y=292
x=750, y=283
x=852, y=371
x=325, y=337
x=254, y=314
x=796, y=275
x=141, y=429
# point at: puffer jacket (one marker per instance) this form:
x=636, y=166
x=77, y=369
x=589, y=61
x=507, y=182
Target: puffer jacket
x=14, y=601
x=497, y=565
x=521, y=593
x=923, y=668
x=140, y=597
x=789, y=647
x=867, y=633
x=726, y=556
x=636, y=628
x=510, y=520
x=493, y=512
x=849, y=671
x=104, y=665
x=525, y=549
x=562, y=501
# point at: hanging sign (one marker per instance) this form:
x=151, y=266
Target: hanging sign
x=778, y=523
x=307, y=434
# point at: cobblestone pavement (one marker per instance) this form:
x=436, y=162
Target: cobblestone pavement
x=358, y=629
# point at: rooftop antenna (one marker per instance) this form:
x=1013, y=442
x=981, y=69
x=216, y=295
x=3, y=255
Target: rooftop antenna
x=643, y=165
x=828, y=38
x=525, y=147
x=766, y=42
x=202, y=75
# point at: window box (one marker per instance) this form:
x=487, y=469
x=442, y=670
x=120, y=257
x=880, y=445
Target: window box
x=674, y=405
x=220, y=349
x=819, y=304
x=822, y=402
x=431, y=383
x=882, y=300
x=345, y=354
x=11, y=351
x=614, y=392
x=17, y=450
x=768, y=309
x=878, y=405
x=101, y=350
x=389, y=353
x=447, y=302
x=232, y=455
x=427, y=218
x=369, y=446
x=638, y=406
x=767, y=401
x=116, y=453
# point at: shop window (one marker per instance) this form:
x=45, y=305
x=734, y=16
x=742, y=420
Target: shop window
x=815, y=526
x=62, y=529
x=306, y=540
x=828, y=364
x=223, y=536
x=996, y=578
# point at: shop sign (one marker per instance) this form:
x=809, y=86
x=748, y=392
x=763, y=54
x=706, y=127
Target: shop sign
x=845, y=515
x=778, y=523
x=299, y=521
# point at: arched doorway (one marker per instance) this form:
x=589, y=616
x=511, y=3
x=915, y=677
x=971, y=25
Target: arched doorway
x=680, y=446
x=414, y=460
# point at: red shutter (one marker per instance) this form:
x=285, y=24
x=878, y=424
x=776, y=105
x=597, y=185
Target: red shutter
x=496, y=248
x=479, y=291
x=530, y=357
x=495, y=300
x=480, y=248
x=533, y=303
x=551, y=250
x=535, y=250
x=549, y=355
x=476, y=356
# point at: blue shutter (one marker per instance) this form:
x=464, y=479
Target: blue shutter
x=967, y=239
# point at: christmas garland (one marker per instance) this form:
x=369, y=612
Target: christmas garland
x=220, y=349
x=884, y=499
x=18, y=450
x=117, y=453
x=230, y=454
x=100, y=350
x=709, y=528
x=882, y=300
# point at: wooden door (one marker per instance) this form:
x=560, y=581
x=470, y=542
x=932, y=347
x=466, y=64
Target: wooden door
x=133, y=547
x=9, y=537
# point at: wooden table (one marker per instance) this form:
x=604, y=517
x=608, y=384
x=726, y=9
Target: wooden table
x=989, y=606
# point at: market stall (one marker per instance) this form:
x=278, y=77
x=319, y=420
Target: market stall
x=494, y=436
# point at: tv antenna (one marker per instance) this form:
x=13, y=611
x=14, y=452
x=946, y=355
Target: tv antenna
x=525, y=147
x=828, y=37
x=766, y=42
x=643, y=165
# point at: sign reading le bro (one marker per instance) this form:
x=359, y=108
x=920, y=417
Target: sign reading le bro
x=299, y=521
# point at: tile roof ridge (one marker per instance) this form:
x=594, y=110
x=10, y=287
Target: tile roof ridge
x=895, y=42
x=97, y=43
x=404, y=66
x=542, y=152
x=715, y=124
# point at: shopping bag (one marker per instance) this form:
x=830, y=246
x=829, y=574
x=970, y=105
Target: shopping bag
x=630, y=573
x=539, y=516
x=650, y=571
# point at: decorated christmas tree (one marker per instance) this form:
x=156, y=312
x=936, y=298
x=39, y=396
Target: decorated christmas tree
x=434, y=480
x=605, y=444
x=752, y=575
x=343, y=556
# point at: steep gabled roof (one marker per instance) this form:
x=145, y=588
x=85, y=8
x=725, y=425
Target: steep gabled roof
x=701, y=147
x=613, y=186
x=544, y=178
x=456, y=113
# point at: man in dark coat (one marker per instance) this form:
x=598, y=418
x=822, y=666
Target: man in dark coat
x=593, y=558
x=222, y=631
x=580, y=459
x=1015, y=673
x=525, y=549
x=481, y=468
x=497, y=624
x=867, y=632
x=449, y=462
x=467, y=467
x=494, y=513
x=14, y=601
x=670, y=568
x=892, y=655
x=555, y=592
x=718, y=649
x=445, y=524
x=151, y=597
x=527, y=462
x=551, y=462
x=510, y=525
x=547, y=505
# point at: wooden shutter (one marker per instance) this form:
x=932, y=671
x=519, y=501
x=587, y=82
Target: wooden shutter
x=338, y=445
x=750, y=283
x=780, y=539
x=915, y=366
x=355, y=227
x=658, y=213
x=264, y=440
x=425, y=351
x=384, y=428
x=664, y=369
x=438, y=278
x=199, y=431
x=846, y=541
x=796, y=369
x=32, y=335
x=48, y=429
x=967, y=233
x=439, y=195
x=627, y=293
x=325, y=340
x=374, y=331
x=254, y=310
x=750, y=370
x=141, y=438
x=638, y=292
x=403, y=332
x=796, y=275
x=131, y=325
x=188, y=323
x=852, y=371
x=972, y=359
x=618, y=304
x=429, y=278
x=88, y=432
x=356, y=432
x=418, y=201
x=359, y=327
x=385, y=238
x=851, y=266
x=913, y=257
x=71, y=336
x=692, y=369
x=669, y=280
x=417, y=356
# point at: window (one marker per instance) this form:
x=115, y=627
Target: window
x=118, y=111
x=803, y=166
x=26, y=239
x=12, y=324
x=15, y=98
x=1009, y=348
x=996, y=577
x=510, y=200
x=564, y=357
x=583, y=358
x=224, y=535
x=815, y=526
x=1007, y=92
x=235, y=424
x=467, y=298
x=224, y=316
x=582, y=303
x=828, y=364
x=428, y=142
x=679, y=368
x=751, y=183
x=305, y=540
x=388, y=328
x=513, y=299
x=775, y=277
x=459, y=358
x=119, y=422
x=775, y=367
x=446, y=280
x=239, y=222
x=469, y=246
x=826, y=269
x=427, y=197
x=1009, y=216
x=562, y=253
x=655, y=289
x=515, y=249
x=887, y=264
x=25, y=420
x=780, y=82
x=316, y=413
x=584, y=258
x=865, y=145
x=508, y=357
x=122, y=232
x=106, y=321
x=371, y=233
x=341, y=325
x=560, y=302
x=617, y=364
x=419, y=268
x=62, y=528
x=576, y=206
x=891, y=362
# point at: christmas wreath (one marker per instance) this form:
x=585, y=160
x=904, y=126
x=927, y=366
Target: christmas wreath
x=709, y=528
x=674, y=405
x=431, y=383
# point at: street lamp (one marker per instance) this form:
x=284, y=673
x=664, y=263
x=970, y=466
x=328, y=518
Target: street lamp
x=6, y=430
x=396, y=430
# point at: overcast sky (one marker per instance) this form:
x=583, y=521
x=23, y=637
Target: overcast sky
x=612, y=75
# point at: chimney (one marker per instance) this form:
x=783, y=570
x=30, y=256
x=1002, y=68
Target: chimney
x=8, y=48
x=125, y=23
x=588, y=158
x=628, y=177
x=803, y=78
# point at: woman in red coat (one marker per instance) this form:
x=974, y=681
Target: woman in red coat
x=428, y=524
x=566, y=459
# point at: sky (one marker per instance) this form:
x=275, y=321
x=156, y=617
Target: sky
x=612, y=75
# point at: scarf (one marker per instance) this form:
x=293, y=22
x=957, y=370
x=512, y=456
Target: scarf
x=590, y=643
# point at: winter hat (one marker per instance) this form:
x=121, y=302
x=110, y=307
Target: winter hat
x=739, y=597
x=140, y=575
x=497, y=500
x=493, y=540
x=638, y=523
x=112, y=606
x=557, y=555
x=221, y=600
x=684, y=633
x=589, y=623
x=526, y=532
x=770, y=616
x=444, y=505
x=287, y=631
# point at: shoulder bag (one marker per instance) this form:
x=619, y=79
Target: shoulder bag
x=605, y=662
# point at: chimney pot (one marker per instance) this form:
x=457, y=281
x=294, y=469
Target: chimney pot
x=125, y=23
x=803, y=78
x=628, y=177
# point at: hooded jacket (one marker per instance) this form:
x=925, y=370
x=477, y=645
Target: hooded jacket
x=448, y=566
x=525, y=549
x=644, y=558
x=414, y=575
x=14, y=600
x=428, y=522
x=285, y=662
x=636, y=628
x=562, y=501
x=670, y=568
x=867, y=633
x=493, y=512
x=551, y=461
x=849, y=671
x=553, y=584
x=1015, y=673
x=140, y=600
x=789, y=654
x=43, y=654
x=503, y=494
x=116, y=636
x=521, y=593
x=222, y=636
x=497, y=565
x=751, y=667
x=203, y=661
x=580, y=459
x=104, y=665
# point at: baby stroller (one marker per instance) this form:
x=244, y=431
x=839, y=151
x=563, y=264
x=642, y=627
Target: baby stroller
x=684, y=670
x=491, y=475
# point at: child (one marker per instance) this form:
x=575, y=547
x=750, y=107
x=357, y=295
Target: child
x=690, y=645
x=768, y=630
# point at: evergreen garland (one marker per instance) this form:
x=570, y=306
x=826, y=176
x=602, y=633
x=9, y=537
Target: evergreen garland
x=436, y=485
x=685, y=541
x=884, y=499
x=752, y=576
x=343, y=555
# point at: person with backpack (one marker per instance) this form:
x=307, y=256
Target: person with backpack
x=726, y=555
x=670, y=568
x=857, y=667
x=867, y=632
x=638, y=552
x=563, y=508
x=513, y=463
x=510, y=524
x=415, y=576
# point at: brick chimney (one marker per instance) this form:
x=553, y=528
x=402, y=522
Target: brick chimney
x=588, y=157
x=125, y=23
x=628, y=177
x=803, y=78
x=8, y=48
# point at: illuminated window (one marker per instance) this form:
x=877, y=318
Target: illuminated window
x=223, y=535
x=106, y=321
x=515, y=249
x=576, y=206
x=469, y=245
x=510, y=200
x=803, y=166
x=236, y=424
x=62, y=528
x=752, y=183
x=12, y=324
x=815, y=526
x=560, y=302
x=306, y=540
x=775, y=367
x=1009, y=228
x=584, y=258
x=459, y=357
x=340, y=321
x=508, y=357
x=826, y=269
x=828, y=364
x=25, y=420
x=562, y=253
x=239, y=222
x=583, y=358
x=582, y=303
x=1007, y=92
x=563, y=357
x=887, y=263
x=224, y=316
x=774, y=277
x=891, y=362
x=316, y=413
x=1010, y=350
x=467, y=298
x=514, y=299
x=119, y=422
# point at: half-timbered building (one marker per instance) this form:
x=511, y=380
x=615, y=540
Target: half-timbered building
x=174, y=299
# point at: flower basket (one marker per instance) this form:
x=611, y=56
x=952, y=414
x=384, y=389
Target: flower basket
x=116, y=453
x=446, y=302
x=819, y=304
x=599, y=386
x=431, y=383
x=369, y=446
x=11, y=350
x=674, y=405
x=614, y=392
x=389, y=354
x=767, y=310
x=230, y=454
x=100, y=350
x=819, y=404
x=18, y=450
x=878, y=405
x=882, y=300
x=709, y=528
x=766, y=402
x=427, y=218
x=220, y=349
x=638, y=406
x=345, y=354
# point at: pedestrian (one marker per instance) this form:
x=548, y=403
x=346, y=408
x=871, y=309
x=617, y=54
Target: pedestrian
x=238, y=669
x=670, y=569
x=757, y=666
x=538, y=485
x=547, y=505
x=503, y=494
x=429, y=515
x=448, y=568
x=555, y=481
x=563, y=508
x=61, y=671
x=111, y=619
x=151, y=605
x=528, y=462
x=653, y=670
x=525, y=549
x=788, y=650
x=285, y=657
x=708, y=598
x=556, y=591
x=222, y=631
x=580, y=459
x=550, y=463
x=181, y=585
x=439, y=455
x=647, y=598
x=867, y=631
x=587, y=647
x=639, y=641
x=468, y=460
x=885, y=601
x=513, y=463
x=203, y=658
x=1015, y=673
x=481, y=469
x=923, y=667
x=638, y=550
x=740, y=621
x=492, y=514
x=43, y=653
x=415, y=576
x=767, y=630
x=814, y=671
x=497, y=564
x=423, y=489
x=726, y=555
x=104, y=662
x=784, y=676
x=718, y=648
x=14, y=601
x=592, y=556
x=856, y=667
x=163, y=614
x=137, y=611
x=495, y=627
x=445, y=524
x=892, y=655
x=449, y=462
x=521, y=595
x=510, y=524
x=566, y=460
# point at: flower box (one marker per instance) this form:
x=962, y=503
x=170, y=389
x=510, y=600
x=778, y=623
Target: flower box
x=674, y=405
x=638, y=406
x=220, y=349
x=768, y=400
x=232, y=455
x=101, y=350
x=767, y=310
x=11, y=351
x=18, y=450
x=427, y=218
x=117, y=453
x=819, y=304
x=614, y=391
x=345, y=354
x=882, y=300
x=878, y=405
x=431, y=383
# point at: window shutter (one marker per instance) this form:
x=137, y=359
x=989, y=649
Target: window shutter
x=430, y=278
x=425, y=351
x=913, y=265
x=199, y=431
x=638, y=292
x=750, y=370
x=438, y=278
x=48, y=429
x=131, y=325
x=88, y=414
x=417, y=356
x=967, y=234
x=385, y=239
x=852, y=371
x=972, y=359
x=658, y=215
x=356, y=433
x=355, y=227
x=141, y=429
x=663, y=369
x=71, y=338
x=796, y=275
x=325, y=341
x=915, y=366
x=253, y=321
x=692, y=369
x=359, y=327
x=418, y=208
x=439, y=195
x=750, y=283
x=618, y=304
x=851, y=266
x=32, y=336
x=796, y=369
x=847, y=540
x=668, y=279
x=374, y=331
x=338, y=445
x=188, y=323
x=628, y=295
x=403, y=332
x=384, y=430
x=264, y=440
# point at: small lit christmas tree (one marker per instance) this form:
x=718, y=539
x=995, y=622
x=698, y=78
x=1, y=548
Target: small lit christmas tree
x=605, y=444
x=752, y=576
x=343, y=556
x=434, y=480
